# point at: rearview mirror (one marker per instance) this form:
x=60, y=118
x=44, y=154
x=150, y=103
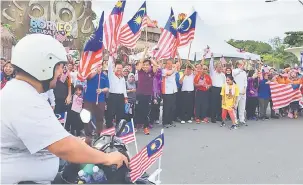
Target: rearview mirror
x=85, y=116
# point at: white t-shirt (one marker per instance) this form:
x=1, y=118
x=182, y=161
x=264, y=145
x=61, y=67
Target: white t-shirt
x=169, y=85
x=188, y=83
x=240, y=78
x=28, y=126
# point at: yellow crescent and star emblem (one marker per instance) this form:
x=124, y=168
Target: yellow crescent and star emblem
x=119, y=4
x=126, y=129
x=189, y=24
x=138, y=18
x=154, y=144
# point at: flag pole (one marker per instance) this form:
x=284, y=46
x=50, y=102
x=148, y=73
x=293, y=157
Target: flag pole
x=159, y=163
x=98, y=88
x=189, y=51
x=136, y=144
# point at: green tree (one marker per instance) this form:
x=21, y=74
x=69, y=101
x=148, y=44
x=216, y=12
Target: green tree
x=251, y=46
x=294, y=39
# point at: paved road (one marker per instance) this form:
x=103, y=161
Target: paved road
x=264, y=152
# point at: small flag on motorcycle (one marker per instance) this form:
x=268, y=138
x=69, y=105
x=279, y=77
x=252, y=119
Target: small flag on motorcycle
x=146, y=157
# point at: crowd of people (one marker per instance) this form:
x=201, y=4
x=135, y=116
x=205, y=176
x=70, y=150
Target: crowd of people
x=188, y=93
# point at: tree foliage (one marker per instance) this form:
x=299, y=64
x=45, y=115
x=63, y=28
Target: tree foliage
x=294, y=39
x=251, y=46
x=272, y=54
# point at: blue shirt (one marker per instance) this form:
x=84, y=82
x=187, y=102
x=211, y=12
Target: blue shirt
x=92, y=86
x=264, y=90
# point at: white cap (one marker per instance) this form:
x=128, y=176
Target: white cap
x=95, y=169
x=81, y=173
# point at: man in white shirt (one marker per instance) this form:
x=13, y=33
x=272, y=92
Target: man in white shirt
x=218, y=79
x=187, y=95
x=240, y=78
x=169, y=90
x=117, y=97
x=32, y=139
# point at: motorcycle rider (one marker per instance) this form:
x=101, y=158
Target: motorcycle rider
x=32, y=139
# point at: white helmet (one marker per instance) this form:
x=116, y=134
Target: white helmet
x=37, y=54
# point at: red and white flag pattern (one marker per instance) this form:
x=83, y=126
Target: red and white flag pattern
x=168, y=42
x=109, y=131
x=284, y=94
x=112, y=26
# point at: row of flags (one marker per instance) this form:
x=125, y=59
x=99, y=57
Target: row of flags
x=109, y=35
x=145, y=158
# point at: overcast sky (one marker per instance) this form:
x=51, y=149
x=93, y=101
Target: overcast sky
x=238, y=19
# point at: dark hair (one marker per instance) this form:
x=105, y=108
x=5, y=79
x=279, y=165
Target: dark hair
x=286, y=66
x=231, y=78
x=250, y=73
x=118, y=63
x=80, y=87
x=3, y=59
x=145, y=61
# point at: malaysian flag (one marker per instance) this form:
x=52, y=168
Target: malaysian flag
x=60, y=37
x=206, y=51
x=186, y=30
x=92, y=54
x=168, y=42
x=110, y=131
x=112, y=25
x=283, y=94
x=130, y=33
x=61, y=117
x=146, y=157
x=128, y=134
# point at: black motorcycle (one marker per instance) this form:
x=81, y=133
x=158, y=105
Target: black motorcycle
x=107, y=144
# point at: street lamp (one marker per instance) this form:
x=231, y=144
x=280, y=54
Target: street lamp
x=270, y=1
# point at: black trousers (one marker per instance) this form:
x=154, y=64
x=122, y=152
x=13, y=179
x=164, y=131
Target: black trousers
x=76, y=123
x=178, y=109
x=251, y=105
x=201, y=104
x=115, y=109
x=155, y=111
x=215, y=103
x=143, y=104
x=187, y=102
x=169, y=105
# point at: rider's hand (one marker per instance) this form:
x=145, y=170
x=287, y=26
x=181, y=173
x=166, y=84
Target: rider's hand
x=116, y=158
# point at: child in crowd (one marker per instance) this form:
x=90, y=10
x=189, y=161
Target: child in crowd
x=74, y=114
x=131, y=94
x=229, y=93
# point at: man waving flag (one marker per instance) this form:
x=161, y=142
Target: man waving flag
x=112, y=26
x=92, y=54
x=168, y=42
x=131, y=32
x=186, y=30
